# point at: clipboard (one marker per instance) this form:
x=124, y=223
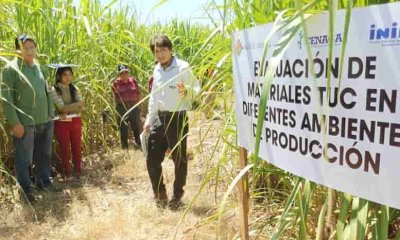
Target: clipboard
x=68, y=117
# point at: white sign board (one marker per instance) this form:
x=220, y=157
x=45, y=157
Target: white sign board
x=362, y=142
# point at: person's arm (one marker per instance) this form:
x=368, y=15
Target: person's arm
x=78, y=105
x=75, y=107
x=58, y=101
x=48, y=90
x=10, y=110
x=152, y=114
x=8, y=93
x=49, y=101
x=115, y=91
x=191, y=84
x=137, y=90
x=150, y=82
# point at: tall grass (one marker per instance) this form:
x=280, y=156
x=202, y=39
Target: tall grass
x=98, y=37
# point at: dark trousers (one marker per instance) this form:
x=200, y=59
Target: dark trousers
x=171, y=134
x=34, y=145
x=131, y=120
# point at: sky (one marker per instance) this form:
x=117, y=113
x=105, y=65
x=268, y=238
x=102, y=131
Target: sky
x=192, y=10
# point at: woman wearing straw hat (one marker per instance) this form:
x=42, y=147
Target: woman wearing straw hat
x=68, y=122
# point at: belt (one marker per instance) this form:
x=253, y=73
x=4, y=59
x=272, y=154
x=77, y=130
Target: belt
x=169, y=114
x=74, y=115
x=127, y=105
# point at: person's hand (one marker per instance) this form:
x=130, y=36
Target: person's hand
x=80, y=104
x=182, y=89
x=63, y=116
x=18, y=130
x=146, y=129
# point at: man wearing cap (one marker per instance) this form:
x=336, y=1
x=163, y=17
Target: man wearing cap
x=127, y=94
x=28, y=110
x=173, y=89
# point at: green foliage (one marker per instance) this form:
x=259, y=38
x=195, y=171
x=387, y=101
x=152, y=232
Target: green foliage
x=97, y=38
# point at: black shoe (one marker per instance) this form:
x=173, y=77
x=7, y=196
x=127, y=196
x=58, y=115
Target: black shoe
x=161, y=199
x=137, y=147
x=175, y=204
x=29, y=198
x=51, y=188
x=77, y=177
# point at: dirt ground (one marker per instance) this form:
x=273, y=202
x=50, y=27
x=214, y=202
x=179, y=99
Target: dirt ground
x=114, y=200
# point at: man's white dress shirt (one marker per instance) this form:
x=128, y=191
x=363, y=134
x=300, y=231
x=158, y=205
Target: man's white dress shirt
x=164, y=93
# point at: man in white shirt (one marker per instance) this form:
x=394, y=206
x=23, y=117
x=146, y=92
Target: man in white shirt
x=171, y=96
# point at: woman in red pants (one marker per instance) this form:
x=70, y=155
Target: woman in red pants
x=68, y=122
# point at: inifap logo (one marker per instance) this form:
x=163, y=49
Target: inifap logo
x=387, y=36
x=238, y=47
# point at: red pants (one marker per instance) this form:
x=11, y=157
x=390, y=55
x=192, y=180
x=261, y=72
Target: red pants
x=69, y=138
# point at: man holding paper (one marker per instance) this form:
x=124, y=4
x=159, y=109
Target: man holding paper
x=171, y=96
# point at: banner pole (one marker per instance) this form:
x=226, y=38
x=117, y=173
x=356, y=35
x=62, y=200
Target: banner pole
x=243, y=195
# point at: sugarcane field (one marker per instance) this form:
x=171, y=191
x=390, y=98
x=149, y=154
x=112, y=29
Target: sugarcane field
x=202, y=119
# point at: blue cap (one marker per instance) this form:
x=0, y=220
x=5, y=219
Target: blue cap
x=122, y=68
x=25, y=37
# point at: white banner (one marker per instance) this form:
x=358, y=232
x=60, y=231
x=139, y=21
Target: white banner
x=362, y=142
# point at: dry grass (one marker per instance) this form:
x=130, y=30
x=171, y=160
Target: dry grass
x=114, y=201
